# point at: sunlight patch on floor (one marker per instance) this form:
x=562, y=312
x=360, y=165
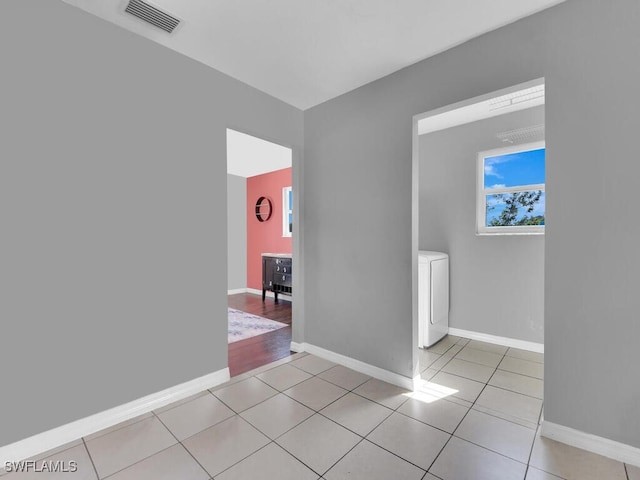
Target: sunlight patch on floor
x=429, y=392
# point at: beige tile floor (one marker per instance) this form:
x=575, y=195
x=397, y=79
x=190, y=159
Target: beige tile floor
x=476, y=417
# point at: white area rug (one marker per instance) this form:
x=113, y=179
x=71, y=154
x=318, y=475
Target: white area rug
x=243, y=325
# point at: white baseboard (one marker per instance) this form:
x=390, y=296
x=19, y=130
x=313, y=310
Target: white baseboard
x=270, y=294
x=255, y=291
x=297, y=347
x=592, y=443
x=70, y=432
x=235, y=291
x=358, y=366
x=504, y=341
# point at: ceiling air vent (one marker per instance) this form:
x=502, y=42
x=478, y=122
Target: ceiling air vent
x=521, y=135
x=152, y=15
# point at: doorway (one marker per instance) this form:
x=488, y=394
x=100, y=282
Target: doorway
x=259, y=221
x=477, y=200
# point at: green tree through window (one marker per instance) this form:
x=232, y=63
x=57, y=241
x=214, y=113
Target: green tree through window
x=513, y=202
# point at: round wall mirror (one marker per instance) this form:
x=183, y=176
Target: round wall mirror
x=263, y=209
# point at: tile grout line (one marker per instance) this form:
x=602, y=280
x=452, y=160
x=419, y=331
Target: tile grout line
x=519, y=373
x=274, y=441
x=474, y=402
x=138, y=461
x=153, y=415
x=291, y=357
x=488, y=384
x=513, y=391
x=450, y=434
x=318, y=412
x=492, y=375
x=235, y=414
x=433, y=475
x=348, y=390
x=90, y=458
x=283, y=393
x=340, y=459
x=531, y=454
x=298, y=401
x=396, y=410
x=392, y=453
x=472, y=363
x=133, y=421
x=453, y=434
x=184, y=446
x=184, y=401
x=300, y=460
x=250, y=407
x=385, y=406
x=244, y=458
x=428, y=424
x=353, y=431
x=531, y=449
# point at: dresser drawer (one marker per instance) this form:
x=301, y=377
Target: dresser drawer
x=276, y=275
x=282, y=279
x=282, y=268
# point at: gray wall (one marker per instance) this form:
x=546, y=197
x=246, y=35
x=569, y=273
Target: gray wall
x=496, y=282
x=113, y=192
x=236, y=232
x=361, y=251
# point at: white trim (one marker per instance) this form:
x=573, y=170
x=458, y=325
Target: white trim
x=509, y=149
x=504, y=341
x=270, y=294
x=507, y=231
x=235, y=291
x=421, y=129
x=286, y=211
x=592, y=443
x=358, y=366
x=297, y=347
x=64, y=434
x=482, y=107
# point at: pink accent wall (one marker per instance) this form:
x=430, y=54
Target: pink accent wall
x=265, y=237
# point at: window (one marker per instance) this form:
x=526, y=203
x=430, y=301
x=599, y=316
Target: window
x=287, y=211
x=511, y=193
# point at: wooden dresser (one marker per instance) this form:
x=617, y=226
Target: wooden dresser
x=276, y=274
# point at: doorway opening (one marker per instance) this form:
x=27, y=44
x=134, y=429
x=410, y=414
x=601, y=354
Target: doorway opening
x=259, y=226
x=479, y=197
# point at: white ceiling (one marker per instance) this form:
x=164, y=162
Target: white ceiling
x=248, y=156
x=305, y=52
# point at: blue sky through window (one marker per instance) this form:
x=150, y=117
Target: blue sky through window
x=515, y=169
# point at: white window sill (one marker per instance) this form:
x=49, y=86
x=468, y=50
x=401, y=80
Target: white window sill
x=497, y=234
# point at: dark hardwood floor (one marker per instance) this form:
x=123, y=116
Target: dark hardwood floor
x=256, y=351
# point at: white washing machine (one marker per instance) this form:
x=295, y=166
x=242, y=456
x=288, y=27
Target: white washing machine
x=433, y=297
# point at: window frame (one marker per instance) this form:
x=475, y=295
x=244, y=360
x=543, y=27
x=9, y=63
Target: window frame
x=287, y=211
x=482, y=192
